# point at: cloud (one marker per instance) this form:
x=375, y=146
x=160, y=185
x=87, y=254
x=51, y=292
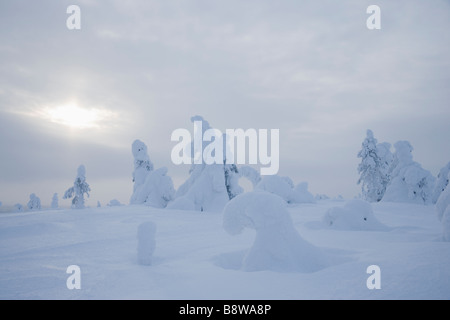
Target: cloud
x=309, y=68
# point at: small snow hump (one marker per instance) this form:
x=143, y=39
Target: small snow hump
x=355, y=215
x=146, y=242
x=277, y=246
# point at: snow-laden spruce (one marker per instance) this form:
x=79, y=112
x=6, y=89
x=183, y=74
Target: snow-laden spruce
x=443, y=211
x=374, y=168
x=142, y=166
x=79, y=189
x=409, y=181
x=210, y=186
x=151, y=187
x=355, y=215
x=277, y=246
x=443, y=202
x=18, y=207
x=284, y=187
x=34, y=203
x=441, y=182
x=55, y=203
x=146, y=242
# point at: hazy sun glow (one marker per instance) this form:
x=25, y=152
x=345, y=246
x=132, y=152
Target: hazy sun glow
x=76, y=117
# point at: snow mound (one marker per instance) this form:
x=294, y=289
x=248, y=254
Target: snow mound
x=355, y=215
x=284, y=187
x=277, y=246
x=146, y=242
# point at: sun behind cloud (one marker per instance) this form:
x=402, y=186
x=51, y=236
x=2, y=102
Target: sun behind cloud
x=73, y=116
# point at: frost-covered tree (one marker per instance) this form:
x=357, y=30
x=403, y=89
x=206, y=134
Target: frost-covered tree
x=374, y=168
x=55, y=203
x=80, y=187
x=277, y=245
x=209, y=186
x=443, y=202
x=34, y=203
x=114, y=203
x=443, y=211
x=409, y=181
x=441, y=182
x=285, y=188
x=142, y=167
x=18, y=207
x=151, y=187
x=99, y=205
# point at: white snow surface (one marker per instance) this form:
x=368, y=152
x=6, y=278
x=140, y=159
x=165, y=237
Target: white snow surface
x=195, y=258
x=146, y=242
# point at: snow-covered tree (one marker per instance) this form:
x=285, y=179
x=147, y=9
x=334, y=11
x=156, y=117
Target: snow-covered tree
x=55, y=203
x=409, y=181
x=441, y=182
x=99, y=205
x=277, y=245
x=142, y=167
x=443, y=211
x=18, y=207
x=80, y=187
x=151, y=187
x=207, y=188
x=443, y=202
x=285, y=188
x=114, y=203
x=34, y=203
x=374, y=168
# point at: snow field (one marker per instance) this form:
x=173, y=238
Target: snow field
x=195, y=258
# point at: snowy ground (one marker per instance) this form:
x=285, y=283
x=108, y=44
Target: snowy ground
x=196, y=259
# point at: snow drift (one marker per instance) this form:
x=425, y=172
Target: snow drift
x=277, y=246
x=355, y=215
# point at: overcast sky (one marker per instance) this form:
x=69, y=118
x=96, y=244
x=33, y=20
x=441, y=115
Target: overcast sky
x=141, y=69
